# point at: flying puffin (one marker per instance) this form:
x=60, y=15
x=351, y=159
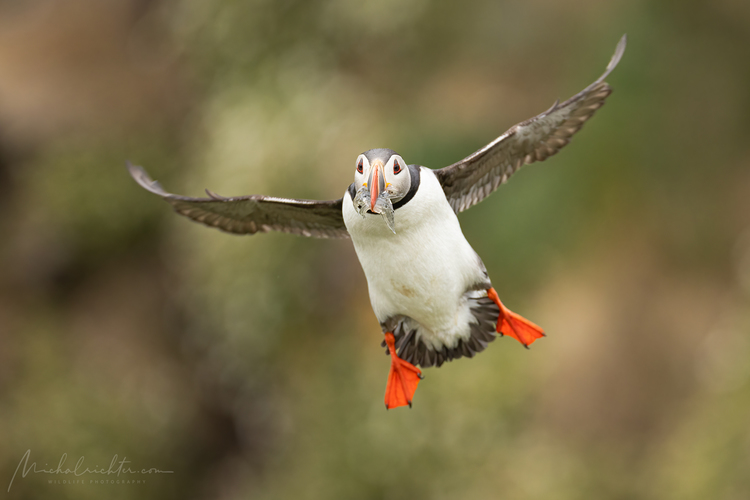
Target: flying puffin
x=428, y=287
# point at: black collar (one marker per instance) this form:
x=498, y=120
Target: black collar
x=415, y=180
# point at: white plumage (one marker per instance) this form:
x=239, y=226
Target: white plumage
x=424, y=270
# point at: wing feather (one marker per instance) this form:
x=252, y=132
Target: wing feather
x=472, y=179
x=255, y=213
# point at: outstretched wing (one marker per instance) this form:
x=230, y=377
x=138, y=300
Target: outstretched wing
x=256, y=213
x=472, y=179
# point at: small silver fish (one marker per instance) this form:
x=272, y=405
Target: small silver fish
x=362, y=201
x=383, y=206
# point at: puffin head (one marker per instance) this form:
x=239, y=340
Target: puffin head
x=382, y=171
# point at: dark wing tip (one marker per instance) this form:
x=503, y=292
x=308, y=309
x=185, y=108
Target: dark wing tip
x=215, y=196
x=141, y=177
x=551, y=109
x=619, y=51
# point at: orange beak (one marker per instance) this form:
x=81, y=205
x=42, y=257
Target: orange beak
x=376, y=183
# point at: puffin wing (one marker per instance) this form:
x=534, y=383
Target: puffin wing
x=255, y=213
x=472, y=179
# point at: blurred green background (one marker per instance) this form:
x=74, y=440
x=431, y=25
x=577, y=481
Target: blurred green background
x=251, y=366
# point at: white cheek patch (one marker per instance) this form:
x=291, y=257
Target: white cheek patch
x=400, y=181
x=401, y=164
x=365, y=167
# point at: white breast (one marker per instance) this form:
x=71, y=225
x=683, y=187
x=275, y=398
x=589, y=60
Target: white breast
x=425, y=269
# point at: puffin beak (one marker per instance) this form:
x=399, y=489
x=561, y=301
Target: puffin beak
x=376, y=182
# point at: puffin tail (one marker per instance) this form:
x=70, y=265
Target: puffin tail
x=514, y=325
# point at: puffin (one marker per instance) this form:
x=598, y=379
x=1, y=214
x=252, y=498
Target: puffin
x=428, y=288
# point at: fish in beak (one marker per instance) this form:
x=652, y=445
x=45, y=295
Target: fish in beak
x=374, y=198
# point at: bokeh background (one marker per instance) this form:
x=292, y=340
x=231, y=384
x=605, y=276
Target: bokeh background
x=251, y=366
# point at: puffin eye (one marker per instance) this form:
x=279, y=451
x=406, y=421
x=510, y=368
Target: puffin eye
x=359, y=166
x=396, y=167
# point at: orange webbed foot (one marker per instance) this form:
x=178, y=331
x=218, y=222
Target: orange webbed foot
x=515, y=325
x=403, y=378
